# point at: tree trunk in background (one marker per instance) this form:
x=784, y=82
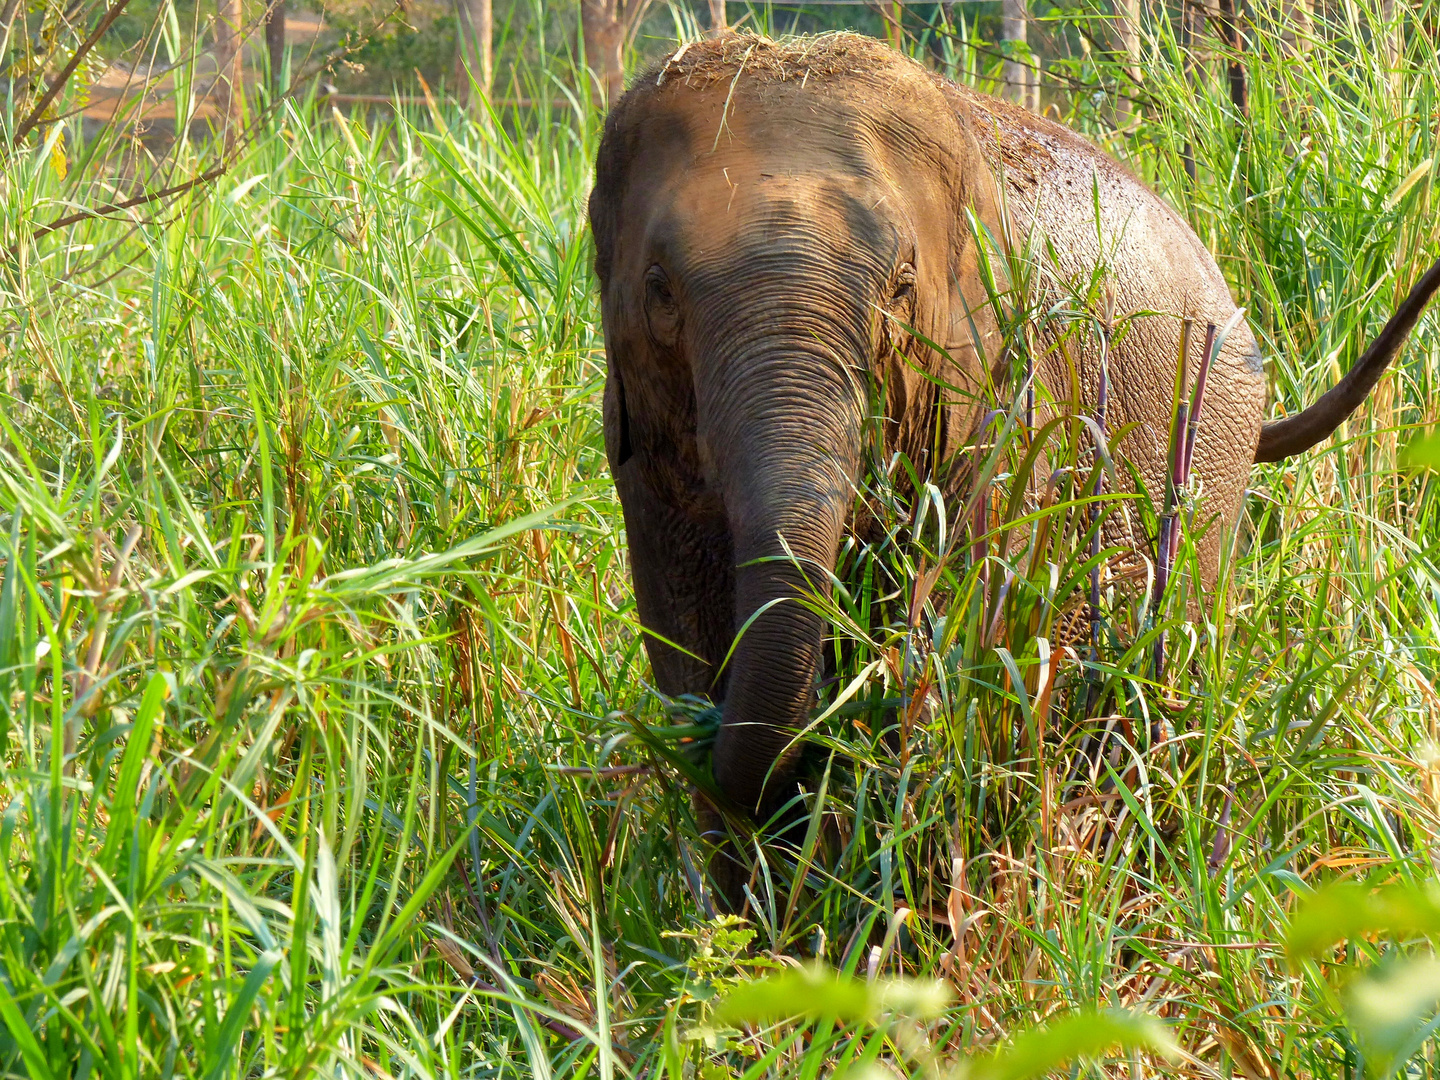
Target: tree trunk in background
x=1230, y=16
x=604, y=49
x=1127, y=24
x=477, y=32
x=1298, y=28
x=893, y=15
x=718, y=20
x=275, y=45
x=607, y=27
x=229, y=61
x=1018, y=75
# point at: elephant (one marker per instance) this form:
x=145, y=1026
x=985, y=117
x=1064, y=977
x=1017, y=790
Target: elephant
x=782, y=226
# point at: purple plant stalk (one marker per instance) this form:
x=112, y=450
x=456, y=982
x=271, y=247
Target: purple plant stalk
x=1192, y=428
x=978, y=520
x=1166, y=543
x=1029, y=392
x=980, y=511
x=1197, y=400
x=1102, y=400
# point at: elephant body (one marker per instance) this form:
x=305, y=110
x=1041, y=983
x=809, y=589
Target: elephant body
x=783, y=227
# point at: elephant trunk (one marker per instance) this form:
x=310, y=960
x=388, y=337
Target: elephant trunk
x=786, y=449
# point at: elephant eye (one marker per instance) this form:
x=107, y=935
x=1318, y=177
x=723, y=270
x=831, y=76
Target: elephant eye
x=662, y=313
x=657, y=288
x=904, y=287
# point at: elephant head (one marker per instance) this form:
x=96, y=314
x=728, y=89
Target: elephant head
x=773, y=245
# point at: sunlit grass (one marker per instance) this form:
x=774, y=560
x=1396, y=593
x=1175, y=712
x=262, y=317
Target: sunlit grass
x=310, y=549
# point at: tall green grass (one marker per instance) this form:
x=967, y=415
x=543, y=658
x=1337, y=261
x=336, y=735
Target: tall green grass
x=328, y=746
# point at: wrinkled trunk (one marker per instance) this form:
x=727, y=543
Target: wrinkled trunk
x=786, y=451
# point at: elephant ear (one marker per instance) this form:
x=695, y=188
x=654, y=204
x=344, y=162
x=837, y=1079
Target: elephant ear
x=618, y=445
x=962, y=190
x=618, y=147
x=603, y=204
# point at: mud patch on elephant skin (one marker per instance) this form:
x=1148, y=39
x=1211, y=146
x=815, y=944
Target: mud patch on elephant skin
x=1254, y=362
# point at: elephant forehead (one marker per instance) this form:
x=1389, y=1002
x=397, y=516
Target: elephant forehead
x=741, y=204
x=839, y=129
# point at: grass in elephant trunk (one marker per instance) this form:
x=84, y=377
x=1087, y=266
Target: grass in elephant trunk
x=368, y=778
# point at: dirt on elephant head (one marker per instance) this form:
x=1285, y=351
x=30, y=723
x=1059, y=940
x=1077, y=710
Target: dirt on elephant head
x=764, y=59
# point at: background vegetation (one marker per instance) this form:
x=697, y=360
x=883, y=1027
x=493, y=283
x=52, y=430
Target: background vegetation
x=327, y=743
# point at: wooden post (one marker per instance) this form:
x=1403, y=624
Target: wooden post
x=275, y=46
x=718, y=21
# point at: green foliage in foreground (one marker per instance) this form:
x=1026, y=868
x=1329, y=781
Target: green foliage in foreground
x=327, y=747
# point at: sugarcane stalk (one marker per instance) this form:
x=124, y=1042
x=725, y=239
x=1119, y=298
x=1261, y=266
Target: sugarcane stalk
x=1166, y=543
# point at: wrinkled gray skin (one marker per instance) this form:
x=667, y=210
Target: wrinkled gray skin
x=765, y=216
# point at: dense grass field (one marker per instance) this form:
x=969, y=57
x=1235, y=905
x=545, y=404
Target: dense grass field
x=326, y=745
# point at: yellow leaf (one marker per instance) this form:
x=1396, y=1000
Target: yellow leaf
x=57, y=158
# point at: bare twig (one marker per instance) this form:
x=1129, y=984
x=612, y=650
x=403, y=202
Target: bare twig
x=126, y=204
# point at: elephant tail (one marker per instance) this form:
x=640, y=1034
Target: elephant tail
x=1281, y=439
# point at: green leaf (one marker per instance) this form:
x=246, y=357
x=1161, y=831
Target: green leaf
x=1388, y=1007
x=398, y=572
x=1347, y=910
x=1043, y=1050
x=222, y=1049
x=1422, y=452
x=817, y=992
x=137, y=748
x=30, y=1051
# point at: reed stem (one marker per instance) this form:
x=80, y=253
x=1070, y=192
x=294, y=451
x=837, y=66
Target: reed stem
x=1102, y=400
x=1166, y=543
